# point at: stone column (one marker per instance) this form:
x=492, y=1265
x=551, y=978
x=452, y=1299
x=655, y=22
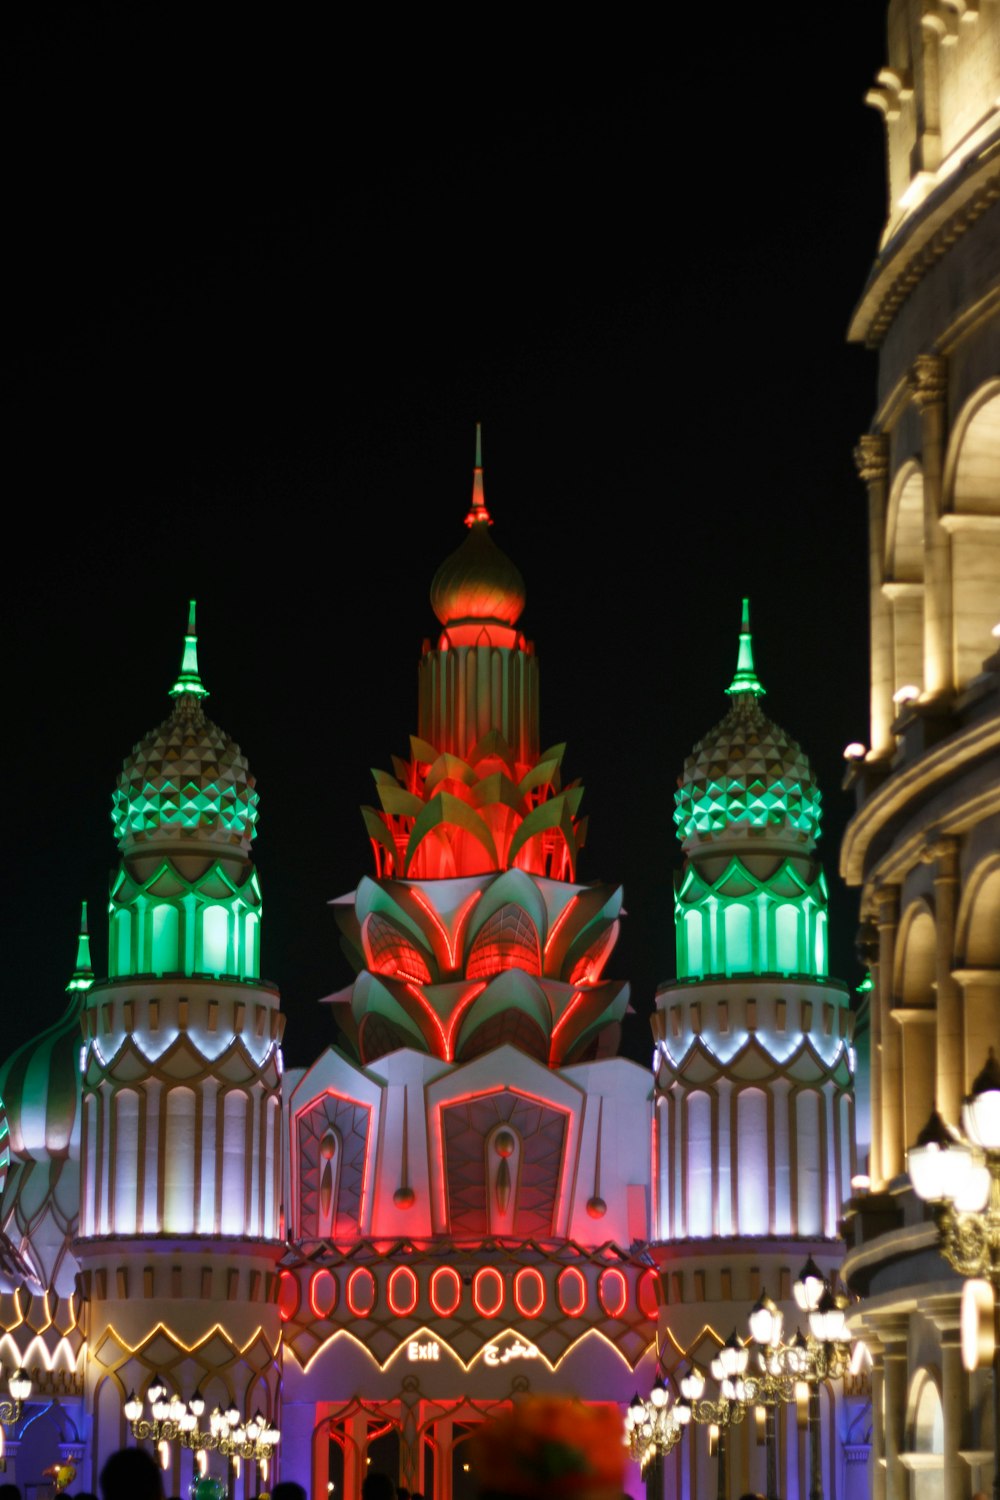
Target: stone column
x=878, y=1406
x=894, y=1341
x=955, y=1403
x=856, y=1456
x=929, y=388
x=872, y=459
x=355, y=1455
x=950, y=1069
x=888, y=1062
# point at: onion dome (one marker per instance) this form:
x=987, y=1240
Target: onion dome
x=747, y=776
x=40, y=1082
x=478, y=584
x=187, y=779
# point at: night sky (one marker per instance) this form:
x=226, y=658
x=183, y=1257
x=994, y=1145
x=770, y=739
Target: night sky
x=262, y=281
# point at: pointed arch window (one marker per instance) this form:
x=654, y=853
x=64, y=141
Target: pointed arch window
x=506, y=940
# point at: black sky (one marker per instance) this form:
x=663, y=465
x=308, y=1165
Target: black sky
x=262, y=278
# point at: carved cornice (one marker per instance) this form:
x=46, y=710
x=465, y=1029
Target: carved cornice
x=890, y=297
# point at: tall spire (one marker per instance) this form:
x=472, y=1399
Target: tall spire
x=188, y=680
x=478, y=511
x=746, y=680
x=83, y=974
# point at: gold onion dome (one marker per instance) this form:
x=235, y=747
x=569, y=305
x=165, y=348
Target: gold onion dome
x=747, y=775
x=187, y=778
x=478, y=583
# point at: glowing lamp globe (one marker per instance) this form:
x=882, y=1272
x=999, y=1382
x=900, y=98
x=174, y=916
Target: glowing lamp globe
x=20, y=1385
x=981, y=1110
x=809, y=1285
x=658, y=1395
x=132, y=1408
x=733, y=1357
x=766, y=1321
x=939, y=1163
x=693, y=1386
x=682, y=1412
x=637, y=1409
x=826, y=1320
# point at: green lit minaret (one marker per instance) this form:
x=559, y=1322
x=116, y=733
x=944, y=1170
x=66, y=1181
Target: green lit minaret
x=752, y=898
x=181, y=1088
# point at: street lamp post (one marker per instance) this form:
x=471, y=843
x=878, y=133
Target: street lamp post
x=766, y=1323
x=960, y=1177
x=11, y=1411
x=173, y=1421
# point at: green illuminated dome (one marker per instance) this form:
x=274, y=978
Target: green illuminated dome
x=747, y=776
x=187, y=778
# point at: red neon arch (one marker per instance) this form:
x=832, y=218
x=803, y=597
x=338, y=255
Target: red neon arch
x=612, y=1291
x=529, y=1291
x=401, y=1292
x=446, y=1291
x=323, y=1293
x=361, y=1291
x=481, y=1299
x=645, y=1294
x=289, y=1296
x=571, y=1290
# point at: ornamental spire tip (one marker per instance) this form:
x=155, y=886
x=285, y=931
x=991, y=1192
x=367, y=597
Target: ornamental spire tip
x=478, y=511
x=83, y=974
x=746, y=679
x=188, y=680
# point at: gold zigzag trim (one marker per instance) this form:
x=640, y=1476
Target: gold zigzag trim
x=258, y=1335
x=466, y=1365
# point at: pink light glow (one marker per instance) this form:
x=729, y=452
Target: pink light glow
x=557, y=925
x=441, y=1304
x=571, y=1007
x=323, y=1291
x=361, y=1278
x=450, y=944
x=529, y=1291
x=289, y=1296
x=612, y=1292
x=401, y=1291
x=485, y=1308
x=571, y=1291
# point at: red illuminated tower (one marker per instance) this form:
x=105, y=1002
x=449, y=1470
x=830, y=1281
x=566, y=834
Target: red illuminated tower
x=474, y=932
x=467, y=1191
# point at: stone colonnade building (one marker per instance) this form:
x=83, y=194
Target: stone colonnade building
x=924, y=844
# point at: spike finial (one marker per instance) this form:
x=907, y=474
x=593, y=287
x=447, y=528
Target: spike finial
x=83, y=974
x=746, y=679
x=478, y=512
x=188, y=679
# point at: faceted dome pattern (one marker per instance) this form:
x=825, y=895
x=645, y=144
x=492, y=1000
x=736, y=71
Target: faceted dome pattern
x=186, y=777
x=478, y=582
x=747, y=772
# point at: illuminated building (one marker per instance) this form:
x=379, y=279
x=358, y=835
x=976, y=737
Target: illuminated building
x=923, y=844
x=473, y=1196
x=469, y=1199
x=755, y=1137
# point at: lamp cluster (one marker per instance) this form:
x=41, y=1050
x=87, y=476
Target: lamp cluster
x=19, y=1386
x=172, y=1420
x=760, y=1373
x=959, y=1173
